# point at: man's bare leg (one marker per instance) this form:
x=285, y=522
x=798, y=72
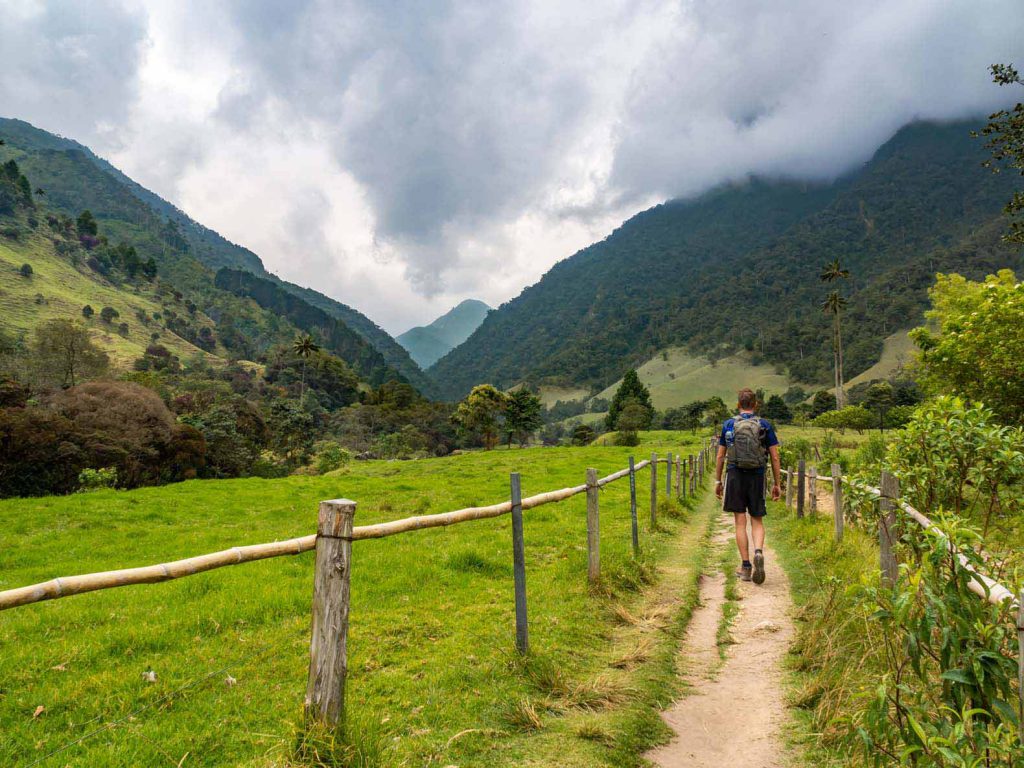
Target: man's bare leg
x=757, y=531
x=741, y=535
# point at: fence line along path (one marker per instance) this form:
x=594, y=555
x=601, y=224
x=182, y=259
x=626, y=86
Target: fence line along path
x=324, y=701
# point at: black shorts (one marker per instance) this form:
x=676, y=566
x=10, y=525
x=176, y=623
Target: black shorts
x=744, y=492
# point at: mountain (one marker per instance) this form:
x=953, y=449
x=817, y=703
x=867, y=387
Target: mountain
x=74, y=178
x=428, y=344
x=736, y=269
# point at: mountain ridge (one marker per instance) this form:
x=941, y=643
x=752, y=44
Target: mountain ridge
x=206, y=245
x=668, y=276
x=427, y=344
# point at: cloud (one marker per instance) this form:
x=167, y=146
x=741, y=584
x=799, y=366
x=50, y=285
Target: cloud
x=71, y=66
x=402, y=156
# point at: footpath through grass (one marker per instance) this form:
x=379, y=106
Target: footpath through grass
x=433, y=677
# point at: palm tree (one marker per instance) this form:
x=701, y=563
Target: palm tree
x=834, y=304
x=304, y=346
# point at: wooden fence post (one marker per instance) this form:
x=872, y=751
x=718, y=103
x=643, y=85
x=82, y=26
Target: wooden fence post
x=693, y=474
x=328, y=647
x=632, y=506
x=668, y=475
x=593, y=528
x=519, y=565
x=837, y=500
x=679, y=476
x=654, y=491
x=890, y=487
x=813, y=490
x=790, y=474
x=1020, y=666
x=801, y=484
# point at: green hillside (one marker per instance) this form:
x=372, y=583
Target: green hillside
x=57, y=289
x=428, y=344
x=73, y=178
x=737, y=269
x=676, y=377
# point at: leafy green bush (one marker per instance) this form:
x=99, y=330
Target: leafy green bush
x=953, y=455
x=851, y=417
x=793, y=450
x=330, y=456
x=95, y=479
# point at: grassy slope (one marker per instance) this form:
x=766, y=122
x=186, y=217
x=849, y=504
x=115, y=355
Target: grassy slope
x=897, y=353
x=66, y=291
x=676, y=377
x=431, y=632
x=549, y=395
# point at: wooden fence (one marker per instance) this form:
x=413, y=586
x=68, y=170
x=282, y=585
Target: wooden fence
x=888, y=495
x=328, y=664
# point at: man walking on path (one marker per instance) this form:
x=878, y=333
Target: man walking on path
x=746, y=443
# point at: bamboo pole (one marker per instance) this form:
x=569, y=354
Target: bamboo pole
x=328, y=647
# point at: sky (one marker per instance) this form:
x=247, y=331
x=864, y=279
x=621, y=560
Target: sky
x=403, y=156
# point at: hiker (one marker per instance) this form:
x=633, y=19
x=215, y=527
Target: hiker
x=746, y=442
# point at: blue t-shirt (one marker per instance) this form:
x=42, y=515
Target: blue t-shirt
x=726, y=438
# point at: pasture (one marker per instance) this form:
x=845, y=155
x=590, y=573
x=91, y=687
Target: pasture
x=210, y=670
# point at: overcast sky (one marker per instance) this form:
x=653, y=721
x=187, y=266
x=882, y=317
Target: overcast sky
x=403, y=156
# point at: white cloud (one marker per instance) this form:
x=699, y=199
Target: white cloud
x=403, y=156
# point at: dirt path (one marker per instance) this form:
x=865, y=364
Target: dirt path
x=734, y=713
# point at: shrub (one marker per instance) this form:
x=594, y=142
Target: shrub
x=330, y=456
x=95, y=479
x=793, y=450
x=108, y=314
x=39, y=452
x=26, y=270
x=88, y=311
x=851, y=417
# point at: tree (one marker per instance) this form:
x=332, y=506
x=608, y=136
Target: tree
x=851, y=417
x=86, y=224
x=108, y=314
x=26, y=270
x=795, y=394
x=1005, y=132
x=978, y=351
x=522, y=415
x=481, y=413
x=630, y=390
x=582, y=434
x=833, y=305
x=715, y=411
x=632, y=419
x=879, y=399
x=88, y=311
x=304, y=346
x=777, y=410
x=63, y=354
x=821, y=403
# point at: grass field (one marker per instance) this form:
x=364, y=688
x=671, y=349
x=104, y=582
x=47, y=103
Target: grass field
x=433, y=678
x=550, y=395
x=675, y=377
x=897, y=352
x=65, y=291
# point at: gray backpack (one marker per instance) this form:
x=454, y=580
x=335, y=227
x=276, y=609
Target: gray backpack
x=747, y=449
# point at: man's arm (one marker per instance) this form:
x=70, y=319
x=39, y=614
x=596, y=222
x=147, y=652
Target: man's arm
x=719, y=465
x=776, y=473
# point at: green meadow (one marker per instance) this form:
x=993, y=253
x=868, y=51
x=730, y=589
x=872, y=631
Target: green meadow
x=433, y=675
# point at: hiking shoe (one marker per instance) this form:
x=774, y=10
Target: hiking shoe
x=758, y=577
x=744, y=573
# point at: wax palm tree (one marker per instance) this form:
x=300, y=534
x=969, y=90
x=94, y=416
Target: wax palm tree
x=833, y=305
x=304, y=347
